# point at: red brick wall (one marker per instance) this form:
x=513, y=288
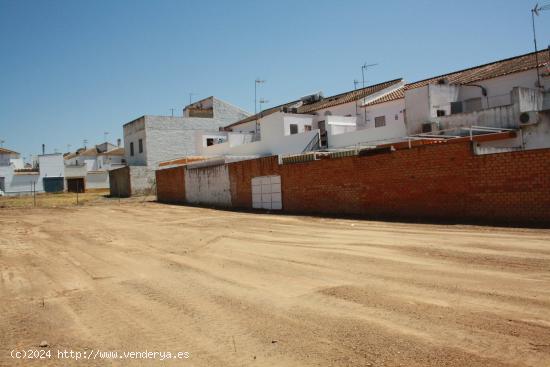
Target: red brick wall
x=171, y=185
x=240, y=176
x=436, y=182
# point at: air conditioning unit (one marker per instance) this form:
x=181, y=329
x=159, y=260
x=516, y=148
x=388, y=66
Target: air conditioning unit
x=312, y=98
x=528, y=118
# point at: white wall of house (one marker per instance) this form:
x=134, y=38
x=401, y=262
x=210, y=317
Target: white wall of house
x=422, y=103
x=22, y=183
x=208, y=186
x=301, y=121
x=336, y=125
x=393, y=111
x=276, y=138
x=133, y=132
x=51, y=165
x=247, y=127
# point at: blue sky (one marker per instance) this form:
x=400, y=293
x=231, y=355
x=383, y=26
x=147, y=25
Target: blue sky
x=71, y=70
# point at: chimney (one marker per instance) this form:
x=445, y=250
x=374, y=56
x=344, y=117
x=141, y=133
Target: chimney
x=118, y=142
x=43, y=149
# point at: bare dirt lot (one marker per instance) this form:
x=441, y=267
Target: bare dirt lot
x=241, y=289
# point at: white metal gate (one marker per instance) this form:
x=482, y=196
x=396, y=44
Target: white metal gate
x=266, y=192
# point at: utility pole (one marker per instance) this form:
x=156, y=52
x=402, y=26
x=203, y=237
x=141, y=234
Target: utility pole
x=536, y=11
x=172, y=109
x=191, y=97
x=85, y=142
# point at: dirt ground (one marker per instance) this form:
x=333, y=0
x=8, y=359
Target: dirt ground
x=241, y=289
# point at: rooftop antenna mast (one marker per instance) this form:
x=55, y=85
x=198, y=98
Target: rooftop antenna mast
x=105, y=134
x=1, y=143
x=364, y=68
x=172, y=110
x=85, y=142
x=536, y=11
x=257, y=82
x=262, y=101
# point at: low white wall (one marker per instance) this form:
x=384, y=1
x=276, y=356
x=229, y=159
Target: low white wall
x=97, y=180
x=142, y=180
x=208, y=186
x=375, y=134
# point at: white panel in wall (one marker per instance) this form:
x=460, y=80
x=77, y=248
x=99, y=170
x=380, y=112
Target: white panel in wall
x=266, y=192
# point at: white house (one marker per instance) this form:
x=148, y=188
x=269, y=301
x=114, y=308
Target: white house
x=310, y=123
x=505, y=95
x=89, y=168
x=149, y=140
x=46, y=176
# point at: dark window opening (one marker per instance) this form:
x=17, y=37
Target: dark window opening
x=456, y=107
x=132, y=149
x=293, y=129
x=380, y=121
x=209, y=142
x=440, y=113
x=140, y=145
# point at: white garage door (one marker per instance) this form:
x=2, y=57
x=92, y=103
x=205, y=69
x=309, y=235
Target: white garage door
x=266, y=192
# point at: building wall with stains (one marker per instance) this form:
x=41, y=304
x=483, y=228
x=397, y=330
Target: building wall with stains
x=208, y=186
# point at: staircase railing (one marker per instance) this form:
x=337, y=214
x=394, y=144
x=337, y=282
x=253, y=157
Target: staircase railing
x=314, y=143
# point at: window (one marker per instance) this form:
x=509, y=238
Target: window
x=293, y=129
x=440, y=113
x=132, y=149
x=307, y=127
x=380, y=121
x=456, y=107
x=140, y=143
x=473, y=104
x=209, y=141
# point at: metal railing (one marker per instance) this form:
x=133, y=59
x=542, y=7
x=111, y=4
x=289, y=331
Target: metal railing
x=314, y=144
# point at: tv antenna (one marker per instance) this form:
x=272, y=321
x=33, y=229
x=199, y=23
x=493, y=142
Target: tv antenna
x=364, y=68
x=536, y=11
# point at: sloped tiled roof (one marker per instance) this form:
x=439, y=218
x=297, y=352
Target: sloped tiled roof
x=7, y=151
x=327, y=102
x=263, y=113
x=487, y=71
x=392, y=96
x=346, y=97
x=116, y=151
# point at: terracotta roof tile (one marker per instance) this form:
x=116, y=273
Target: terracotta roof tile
x=116, y=151
x=392, y=96
x=346, y=97
x=335, y=100
x=263, y=113
x=7, y=151
x=488, y=71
